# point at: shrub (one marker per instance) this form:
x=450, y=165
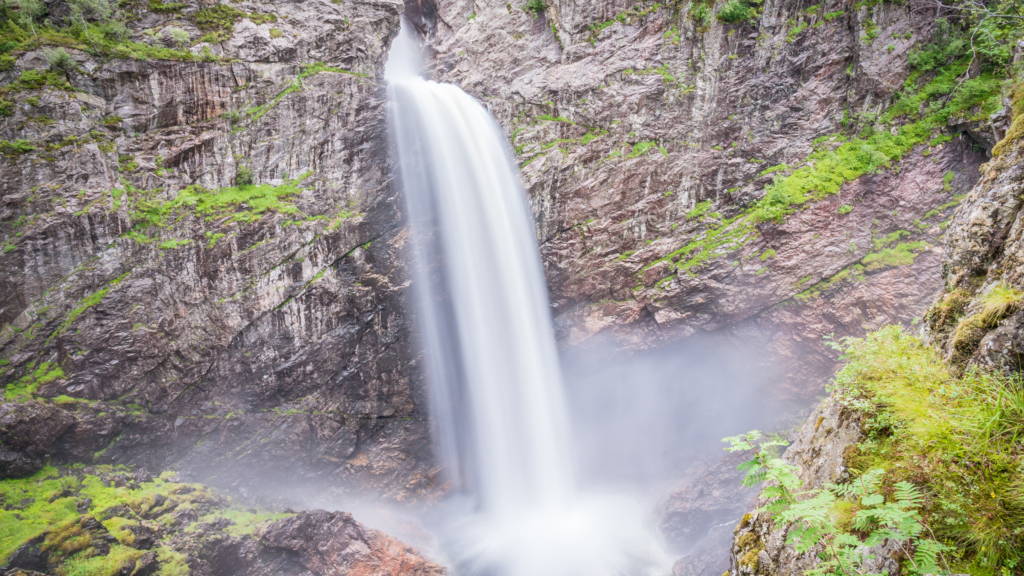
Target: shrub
x=6, y=63
x=102, y=10
x=736, y=11
x=218, y=18
x=59, y=59
x=176, y=37
x=537, y=7
x=164, y=7
x=243, y=176
x=116, y=31
x=16, y=148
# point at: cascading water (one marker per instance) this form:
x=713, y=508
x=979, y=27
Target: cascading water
x=497, y=400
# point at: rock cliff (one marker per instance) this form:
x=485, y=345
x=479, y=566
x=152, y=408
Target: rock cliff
x=645, y=130
x=157, y=312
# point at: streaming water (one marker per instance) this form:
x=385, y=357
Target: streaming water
x=497, y=399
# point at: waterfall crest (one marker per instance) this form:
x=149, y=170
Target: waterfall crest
x=497, y=400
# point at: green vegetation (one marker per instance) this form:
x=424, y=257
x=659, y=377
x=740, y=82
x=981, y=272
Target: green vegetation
x=795, y=31
x=954, y=436
x=16, y=148
x=738, y=10
x=845, y=209
x=241, y=204
x=35, y=377
x=96, y=27
x=1001, y=301
x=535, y=7
x=630, y=16
x=60, y=505
x=958, y=435
x=309, y=70
x=85, y=304
x=846, y=518
x=899, y=255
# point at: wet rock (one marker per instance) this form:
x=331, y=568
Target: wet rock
x=272, y=341
x=332, y=543
x=28, y=431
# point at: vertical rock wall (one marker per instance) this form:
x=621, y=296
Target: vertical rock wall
x=150, y=317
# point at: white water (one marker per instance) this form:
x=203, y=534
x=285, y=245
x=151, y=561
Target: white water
x=497, y=399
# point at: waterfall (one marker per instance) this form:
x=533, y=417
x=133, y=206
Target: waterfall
x=497, y=401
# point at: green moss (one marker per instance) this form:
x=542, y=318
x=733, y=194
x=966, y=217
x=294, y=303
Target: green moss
x=699, y=210
x=174, y=244
x=795, y=31
x=630, y=16
x=85, y=304
x=15, y=148
x=641, y=148
x=899, y=255
x=854, y=273
x=35, y=377
x=93, y=37
x=947, y=180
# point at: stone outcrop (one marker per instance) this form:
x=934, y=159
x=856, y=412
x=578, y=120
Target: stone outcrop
x=979, y=318
x=820, y=452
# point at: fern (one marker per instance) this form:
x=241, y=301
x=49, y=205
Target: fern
x=810, y=514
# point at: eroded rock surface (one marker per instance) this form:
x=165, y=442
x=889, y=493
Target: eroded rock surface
x=979, y=318
x=178, y=320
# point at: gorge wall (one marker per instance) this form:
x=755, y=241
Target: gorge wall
x=153, y=315
x=155, y=312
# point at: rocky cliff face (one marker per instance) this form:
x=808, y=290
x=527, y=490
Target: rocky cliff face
x=979, y=318
x=155, y=314
x=644, y=131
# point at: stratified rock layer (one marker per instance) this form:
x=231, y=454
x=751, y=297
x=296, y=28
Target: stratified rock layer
x=252, y=334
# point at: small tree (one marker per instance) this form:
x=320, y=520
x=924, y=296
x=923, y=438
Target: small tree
x=59, y=59
x=29, y=12
x=176, y=37
x=243, y=176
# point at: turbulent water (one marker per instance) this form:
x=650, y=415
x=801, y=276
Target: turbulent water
x=497, y=399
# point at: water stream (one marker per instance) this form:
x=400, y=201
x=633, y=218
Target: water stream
x=497, y=398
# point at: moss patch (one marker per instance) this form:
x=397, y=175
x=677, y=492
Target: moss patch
x=64, y=506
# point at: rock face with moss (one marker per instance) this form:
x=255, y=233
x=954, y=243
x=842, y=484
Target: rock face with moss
x=821, y=451
x=201, y=257
x=105, y=521
x=979, y=318
x=693, y=170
